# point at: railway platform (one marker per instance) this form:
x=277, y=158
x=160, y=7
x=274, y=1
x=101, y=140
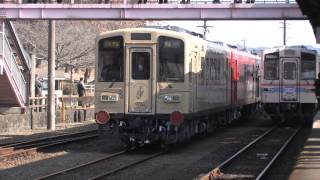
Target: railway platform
x=308, y=163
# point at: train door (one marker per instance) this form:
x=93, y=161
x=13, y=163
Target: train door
x=227, y=80
x=289, y=80
x=234, y=81
x=193, y=69
x=140, y=80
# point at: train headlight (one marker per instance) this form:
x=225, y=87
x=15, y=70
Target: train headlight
x=110, y=98
x=171, y=98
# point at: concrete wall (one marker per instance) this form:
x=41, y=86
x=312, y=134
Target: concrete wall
x=78, y=115
x=27, y=119
x=10, y=123
x=38, y=119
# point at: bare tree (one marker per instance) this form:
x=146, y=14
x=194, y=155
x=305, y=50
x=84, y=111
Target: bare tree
x=75, y=40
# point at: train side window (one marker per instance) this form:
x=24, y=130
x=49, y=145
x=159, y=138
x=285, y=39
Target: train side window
x=218, y=66
x=271, y=69
x=202, y=74
x=308, y=70
x=207, y=69
x=171, y=59
x=211, y=69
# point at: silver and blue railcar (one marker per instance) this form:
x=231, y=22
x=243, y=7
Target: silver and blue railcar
x=287, y=85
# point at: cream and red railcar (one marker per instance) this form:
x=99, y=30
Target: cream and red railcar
x=159, y=85
x=288, y=82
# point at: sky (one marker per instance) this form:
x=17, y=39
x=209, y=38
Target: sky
x=255, y=33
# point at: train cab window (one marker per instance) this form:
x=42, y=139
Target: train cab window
x=271, y=69
x=289, y=71
x=110, y=62
x=140, y=65
x=308, y=70
x=171, y=59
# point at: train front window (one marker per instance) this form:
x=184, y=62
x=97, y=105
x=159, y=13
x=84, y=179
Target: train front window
x=271, y=69
x=110, y=62
x=171, y=59
x=308, y=70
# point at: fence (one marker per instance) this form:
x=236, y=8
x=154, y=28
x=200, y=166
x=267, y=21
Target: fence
x=69, y=109
x=76, y=109
x=89, y=89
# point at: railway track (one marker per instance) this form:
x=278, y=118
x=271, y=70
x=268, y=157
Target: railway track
x=26, y=148
x=99, y=168
x=255, y=159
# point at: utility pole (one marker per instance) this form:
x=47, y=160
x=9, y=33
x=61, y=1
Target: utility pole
x=51, y=122
x=284, y=32
x=33, y=71
x=33, y=81
x=244, y=44
x=205, y=28
x=284, y=26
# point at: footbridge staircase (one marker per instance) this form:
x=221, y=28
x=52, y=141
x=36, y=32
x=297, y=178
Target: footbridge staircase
x=14, y=68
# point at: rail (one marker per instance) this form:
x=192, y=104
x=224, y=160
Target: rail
x=83, y=165
x=9, y=153
x=216, y=172
x=126, y=166
x=20, y=85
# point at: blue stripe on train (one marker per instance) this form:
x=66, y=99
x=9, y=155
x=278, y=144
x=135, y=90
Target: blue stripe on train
x=289, y=90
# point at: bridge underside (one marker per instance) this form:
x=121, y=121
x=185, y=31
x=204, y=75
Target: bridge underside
x=311, y=8
x=152, y=12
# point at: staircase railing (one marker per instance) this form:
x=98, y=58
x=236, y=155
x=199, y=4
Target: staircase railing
x=26, y=58
x=19, y=84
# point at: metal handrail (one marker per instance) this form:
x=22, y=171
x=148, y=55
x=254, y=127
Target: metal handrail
x=25, y=55
x=15, y=73
x=156, y=1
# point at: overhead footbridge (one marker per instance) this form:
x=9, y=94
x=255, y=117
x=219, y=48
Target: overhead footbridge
x=154, y=10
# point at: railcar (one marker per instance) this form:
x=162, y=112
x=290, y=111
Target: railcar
x=167, y=85
x=288, y=83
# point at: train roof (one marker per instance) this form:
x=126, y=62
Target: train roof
x=180, y=32
x=296, y=47
x=174, y=31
